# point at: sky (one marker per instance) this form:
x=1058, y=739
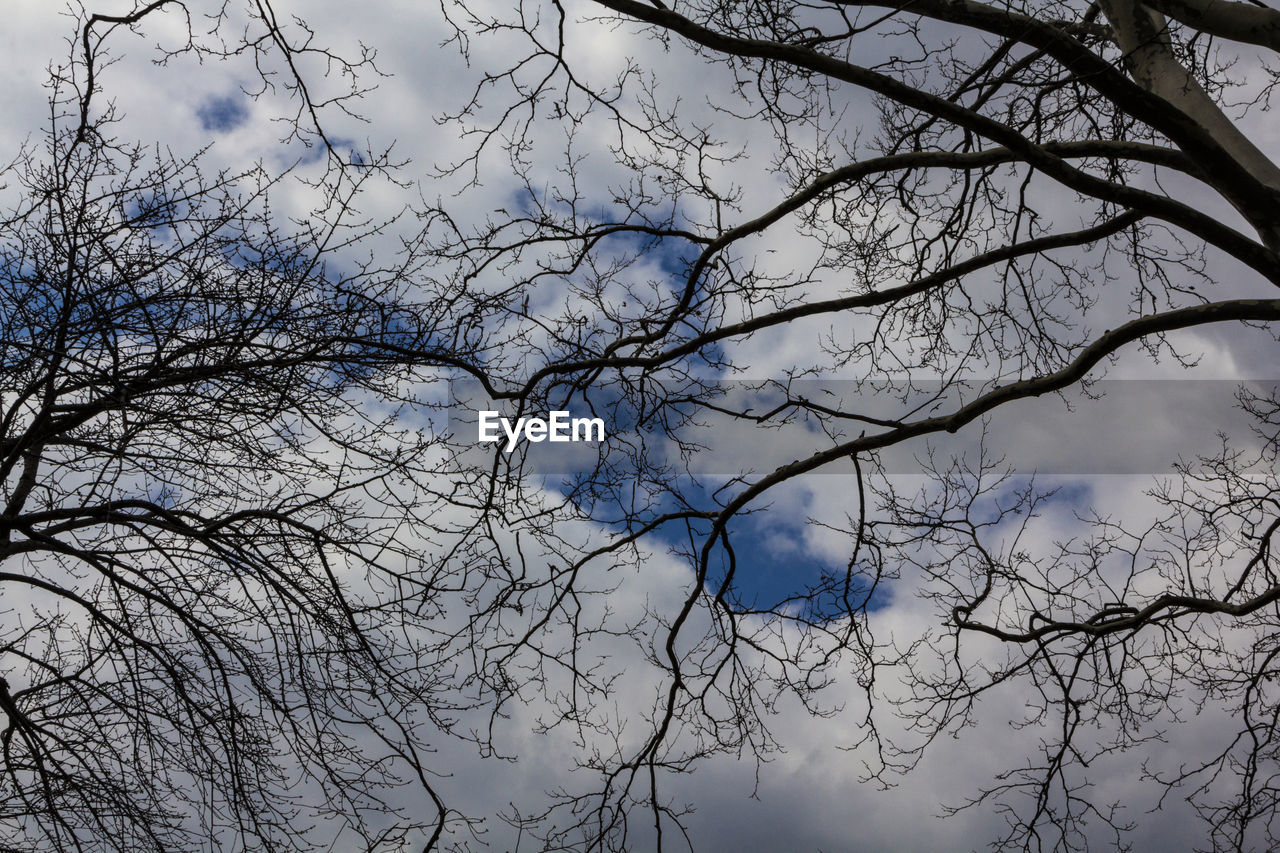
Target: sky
x=813, y=793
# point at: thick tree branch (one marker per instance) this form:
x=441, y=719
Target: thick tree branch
x=1228, y=19
x=1230, y=178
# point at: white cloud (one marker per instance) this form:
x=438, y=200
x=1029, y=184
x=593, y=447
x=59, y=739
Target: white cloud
x=811, y=795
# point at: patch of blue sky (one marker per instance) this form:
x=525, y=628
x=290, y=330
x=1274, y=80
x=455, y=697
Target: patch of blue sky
x=1071, y=494
x=151, y=211
x=315, y=150
x=27, y=299
x=223, y=114
x=1005, y=506
x=674, y=256
x=773, y=563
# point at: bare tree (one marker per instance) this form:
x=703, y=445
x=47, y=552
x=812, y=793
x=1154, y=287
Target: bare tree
x=1000, y=197
x=212, y=634
x=224, y=619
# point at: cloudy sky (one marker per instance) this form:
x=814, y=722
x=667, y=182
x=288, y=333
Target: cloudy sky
x=812, y=794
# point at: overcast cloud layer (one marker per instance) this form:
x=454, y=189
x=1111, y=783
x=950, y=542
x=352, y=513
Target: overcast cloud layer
x=812, y=796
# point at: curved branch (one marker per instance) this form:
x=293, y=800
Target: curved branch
x=1258, y=201
x=1242, y=22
